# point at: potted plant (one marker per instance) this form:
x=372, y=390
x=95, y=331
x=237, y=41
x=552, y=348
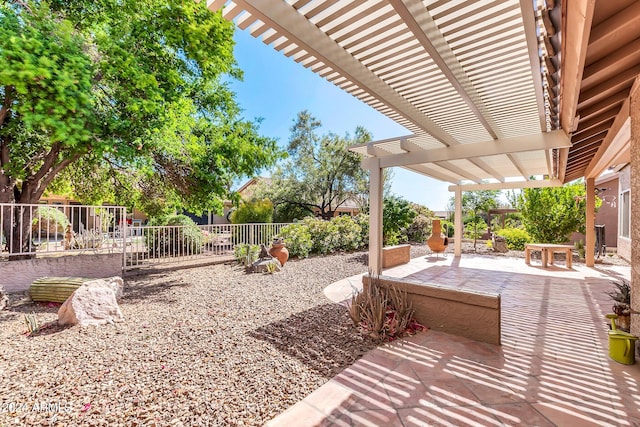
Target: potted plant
x=621, y=296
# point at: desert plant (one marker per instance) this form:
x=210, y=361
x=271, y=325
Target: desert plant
x=246, y=254
x=347, y=235
x=622, y=292
x=4, y=300
x=271, y=268
x=32, y=323
x=88, y=239
x=579, y=246
x=515, y=238
x=383, y=313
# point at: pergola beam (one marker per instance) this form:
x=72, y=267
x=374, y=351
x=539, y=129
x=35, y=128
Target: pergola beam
x=508, y=185
x=541, y=141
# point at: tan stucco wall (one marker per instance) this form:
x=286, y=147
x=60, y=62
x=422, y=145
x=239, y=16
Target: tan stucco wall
x=396, y=255
x=466, y=313
x=16, y=276
x=634, y=111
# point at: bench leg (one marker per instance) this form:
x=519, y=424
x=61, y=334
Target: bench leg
x=569, y=257
x=527, y=256
x=550, y=256
x=543, y=255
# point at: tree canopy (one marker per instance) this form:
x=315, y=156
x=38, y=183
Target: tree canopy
x=122, y=100
x=320, y=173
x=550, y=215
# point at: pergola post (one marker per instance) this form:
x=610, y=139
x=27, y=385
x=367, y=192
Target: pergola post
x=457, y=229
x=375, y=215
x=589, y=235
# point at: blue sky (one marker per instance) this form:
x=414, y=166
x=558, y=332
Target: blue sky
x=275, y=88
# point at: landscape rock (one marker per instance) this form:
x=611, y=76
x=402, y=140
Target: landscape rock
x=93, y=303
x=262, y=266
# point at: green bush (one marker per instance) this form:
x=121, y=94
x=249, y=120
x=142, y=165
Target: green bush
x=348, y=233
x=448, y=228
x=475, y=227
x=182, y=238
x=260, y=211
x=297, y=239
x=323, y=235
x=362, y=220
x=420, y=229
x=516, y=238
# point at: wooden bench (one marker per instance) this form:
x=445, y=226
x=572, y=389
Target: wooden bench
x=547, y=250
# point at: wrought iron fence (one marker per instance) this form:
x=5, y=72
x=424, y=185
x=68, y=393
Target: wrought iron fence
x=41, y=229
x=149, y=246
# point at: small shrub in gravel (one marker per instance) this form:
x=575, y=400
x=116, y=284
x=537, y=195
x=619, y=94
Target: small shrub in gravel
x=516, y=238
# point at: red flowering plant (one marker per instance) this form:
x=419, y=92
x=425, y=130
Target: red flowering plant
x=383, y=313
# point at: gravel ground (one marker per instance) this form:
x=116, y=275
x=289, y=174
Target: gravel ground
x=199, y=346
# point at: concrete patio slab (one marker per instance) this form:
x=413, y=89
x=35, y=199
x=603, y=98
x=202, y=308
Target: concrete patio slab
x=553, y=368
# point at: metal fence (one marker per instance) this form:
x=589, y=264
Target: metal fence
x=55, y=230
x=150, y=246
x=40, y=229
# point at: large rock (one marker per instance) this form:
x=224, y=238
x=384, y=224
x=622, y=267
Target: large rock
x=93, y=303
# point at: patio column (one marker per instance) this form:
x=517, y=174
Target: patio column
x=375, y=214
x=589, y=236
x=457, y=229
x=634, y=112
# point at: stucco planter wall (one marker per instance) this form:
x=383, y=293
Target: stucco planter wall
x=466, y=313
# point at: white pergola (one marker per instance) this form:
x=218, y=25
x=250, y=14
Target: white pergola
x=469, y=80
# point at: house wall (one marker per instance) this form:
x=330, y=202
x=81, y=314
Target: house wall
x=634, y=185
x=624, y=243
x=16, y=276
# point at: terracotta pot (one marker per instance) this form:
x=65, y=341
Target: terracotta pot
x=279, y=251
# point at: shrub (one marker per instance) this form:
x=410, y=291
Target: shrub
x=323, y=235
x=260, y=211
x=420, y=229
x=181, y=237
x=348, y=235
x=516, y=238
x=297, y=239
x=475, y=228
x=447, y=228
x=363, y=221
x=246, y=254
x=47, y=220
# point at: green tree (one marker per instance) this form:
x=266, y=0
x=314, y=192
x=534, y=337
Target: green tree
x=476, y=203
x=259, y=211
x=131, y=93
x=550, y=215
x=397, y=216
x=321, y=173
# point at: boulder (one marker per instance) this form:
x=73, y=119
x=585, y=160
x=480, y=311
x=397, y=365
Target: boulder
x=270, y=265
x=93, y=303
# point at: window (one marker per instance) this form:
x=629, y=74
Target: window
x=625, y=214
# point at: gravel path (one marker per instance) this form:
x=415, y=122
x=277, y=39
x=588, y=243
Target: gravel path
x=200, y=346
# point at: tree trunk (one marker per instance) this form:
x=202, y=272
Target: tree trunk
x=16, y=232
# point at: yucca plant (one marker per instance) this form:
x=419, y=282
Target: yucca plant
x=32, y=323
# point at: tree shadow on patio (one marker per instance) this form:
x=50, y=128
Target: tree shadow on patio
x=322, y=338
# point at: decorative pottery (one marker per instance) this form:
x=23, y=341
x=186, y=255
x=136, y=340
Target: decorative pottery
x=279, y=251
x=437, y=242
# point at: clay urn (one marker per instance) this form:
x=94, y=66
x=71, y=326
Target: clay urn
x=279, y=250
x=437, y=242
